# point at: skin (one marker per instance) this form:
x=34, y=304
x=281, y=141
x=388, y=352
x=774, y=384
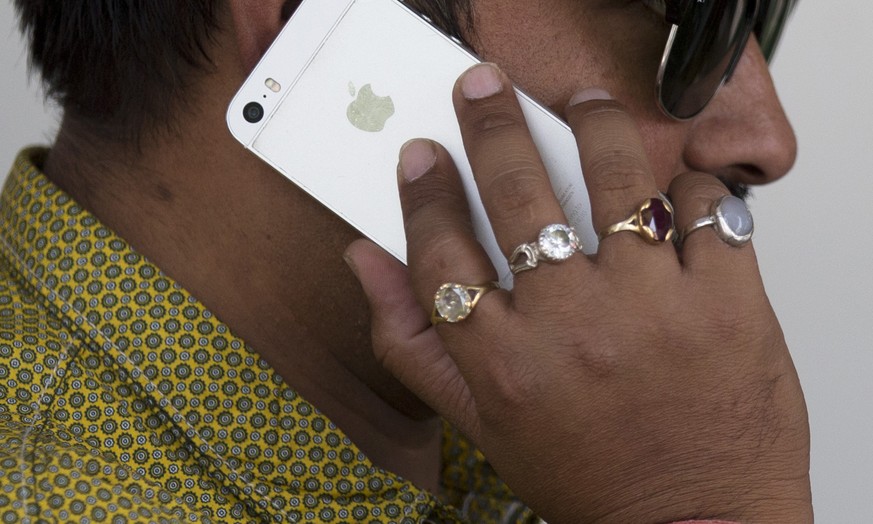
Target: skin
x=671, y=422
x=215, y=213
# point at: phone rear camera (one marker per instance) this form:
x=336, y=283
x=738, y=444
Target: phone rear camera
x=253, y=112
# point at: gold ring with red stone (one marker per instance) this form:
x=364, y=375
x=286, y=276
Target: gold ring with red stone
x=653, y=221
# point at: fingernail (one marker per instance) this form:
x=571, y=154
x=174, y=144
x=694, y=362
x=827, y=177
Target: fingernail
x=416, y=158
x=481, y=81
x=351, y=263
x=586, y=95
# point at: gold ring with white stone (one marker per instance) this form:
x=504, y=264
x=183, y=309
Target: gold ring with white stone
x=555, y=243
x=454, y=302
x=731, y=219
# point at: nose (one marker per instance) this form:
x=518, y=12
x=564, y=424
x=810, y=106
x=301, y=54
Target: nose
x=744, y=134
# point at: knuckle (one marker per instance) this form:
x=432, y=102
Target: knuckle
x=513, y=193
x=696, y=181
x=736, y=330
x=696, y=192
x=601, y=361
x=510, y=377
x=491, y=121
x=512, y=387
x=436, y=198
x=437, y=253
x=611, y=120
x=602, y=114
x=387, y=349
x=603, y=110
x=618, y=168
x=432, y=190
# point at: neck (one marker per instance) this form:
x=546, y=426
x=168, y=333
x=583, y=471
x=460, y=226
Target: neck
x=253, y=249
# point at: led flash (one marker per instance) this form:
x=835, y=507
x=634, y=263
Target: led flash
x=273, y=86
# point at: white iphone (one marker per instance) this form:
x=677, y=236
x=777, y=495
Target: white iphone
x=346, y=84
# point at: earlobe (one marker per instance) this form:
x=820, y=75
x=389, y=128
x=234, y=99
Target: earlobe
x=257, y=24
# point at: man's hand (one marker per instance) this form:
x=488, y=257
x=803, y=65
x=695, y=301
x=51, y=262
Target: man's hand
x=644, y=384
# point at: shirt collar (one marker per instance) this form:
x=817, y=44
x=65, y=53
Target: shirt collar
x=218, y=392
x=262, y=438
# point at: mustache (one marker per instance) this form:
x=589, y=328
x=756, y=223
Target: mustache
x=737, y=189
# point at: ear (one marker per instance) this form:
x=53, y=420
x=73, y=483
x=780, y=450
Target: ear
x=257, y=24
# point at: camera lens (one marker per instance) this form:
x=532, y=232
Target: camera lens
x=253, y=112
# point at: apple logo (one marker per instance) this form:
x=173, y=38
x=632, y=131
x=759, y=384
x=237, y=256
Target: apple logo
x=369, y=112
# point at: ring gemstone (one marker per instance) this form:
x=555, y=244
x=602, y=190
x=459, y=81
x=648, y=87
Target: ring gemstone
x=453, y=302
x=735, y=221
x=736, y=215
x=657, y=218
x=557, y=242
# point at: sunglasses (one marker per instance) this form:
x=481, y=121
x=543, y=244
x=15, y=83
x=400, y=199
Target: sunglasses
x=706, y=43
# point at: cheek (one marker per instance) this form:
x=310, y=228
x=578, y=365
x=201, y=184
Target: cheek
x=543, y=46
x=553, y=48
x=664, y=141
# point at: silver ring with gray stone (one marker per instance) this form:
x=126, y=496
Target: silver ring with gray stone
x=731, y=220
x=555, y=243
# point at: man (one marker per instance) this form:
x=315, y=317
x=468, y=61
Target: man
x=127, y=397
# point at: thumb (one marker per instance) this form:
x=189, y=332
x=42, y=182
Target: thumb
x=404, y=341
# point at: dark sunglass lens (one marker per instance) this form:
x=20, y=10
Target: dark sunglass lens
x=704, y=46
x=772, y=16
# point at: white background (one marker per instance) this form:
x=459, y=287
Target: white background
x=813, y=239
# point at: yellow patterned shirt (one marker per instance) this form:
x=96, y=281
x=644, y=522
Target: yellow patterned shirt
x=123, y=399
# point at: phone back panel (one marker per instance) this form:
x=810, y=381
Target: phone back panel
x=373, y=51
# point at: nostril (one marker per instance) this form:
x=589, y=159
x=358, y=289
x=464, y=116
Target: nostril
x=744, y=134
x=751, y=173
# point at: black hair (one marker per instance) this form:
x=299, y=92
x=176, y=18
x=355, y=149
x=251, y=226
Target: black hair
x=122, y=67
x=118, y=66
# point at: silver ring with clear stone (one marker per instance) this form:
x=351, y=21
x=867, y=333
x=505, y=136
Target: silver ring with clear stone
x=731, y=220
x=454, y=302
x=555, y=243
